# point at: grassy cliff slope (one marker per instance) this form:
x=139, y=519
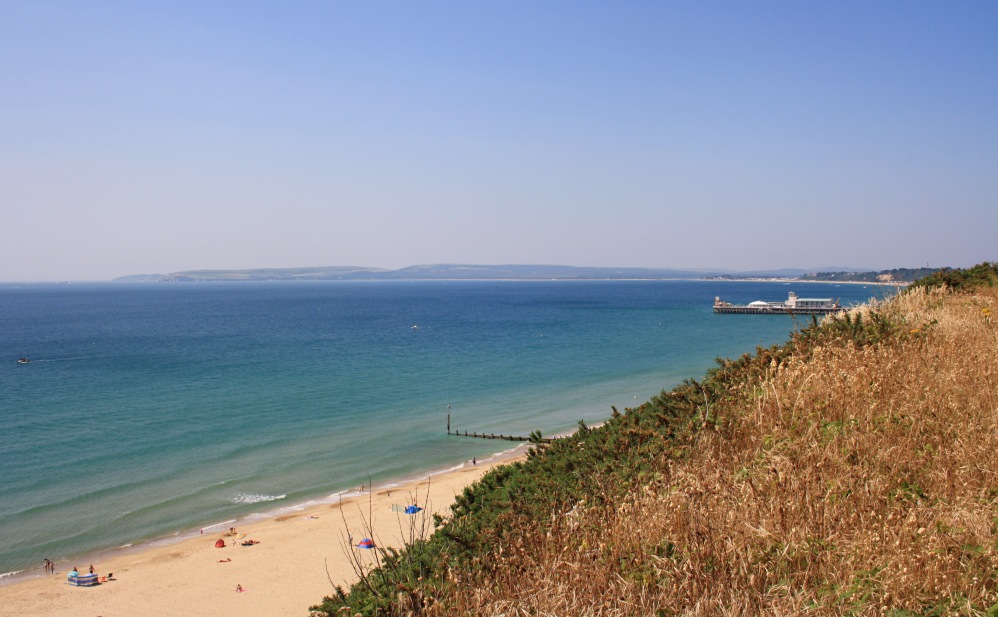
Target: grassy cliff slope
x=849, y=471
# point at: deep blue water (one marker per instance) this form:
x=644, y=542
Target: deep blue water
x=152, y=410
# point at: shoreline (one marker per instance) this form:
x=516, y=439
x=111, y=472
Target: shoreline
x=249, y=518
x=283, y=575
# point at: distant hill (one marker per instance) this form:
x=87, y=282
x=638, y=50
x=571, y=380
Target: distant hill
x=140, y=278
x=531, y=272
x=461, y=272
x=327, y=273
x=421, y=272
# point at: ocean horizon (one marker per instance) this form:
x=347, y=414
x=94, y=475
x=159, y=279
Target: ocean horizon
x=150, y=411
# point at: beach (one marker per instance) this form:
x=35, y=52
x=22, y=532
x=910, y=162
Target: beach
x=284, y=574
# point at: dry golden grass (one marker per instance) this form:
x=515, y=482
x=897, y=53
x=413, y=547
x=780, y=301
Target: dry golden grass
x=850, y=480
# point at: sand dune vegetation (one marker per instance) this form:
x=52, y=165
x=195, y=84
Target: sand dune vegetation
x=852, y=470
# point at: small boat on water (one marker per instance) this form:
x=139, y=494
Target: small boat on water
x=23, y=360
x=792, y=306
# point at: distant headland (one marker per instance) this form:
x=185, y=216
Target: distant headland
x=524, y=273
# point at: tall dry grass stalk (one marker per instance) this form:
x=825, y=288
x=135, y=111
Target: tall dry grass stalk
x=851, y=479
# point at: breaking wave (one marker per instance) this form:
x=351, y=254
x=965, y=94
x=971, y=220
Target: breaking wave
x=251, y=498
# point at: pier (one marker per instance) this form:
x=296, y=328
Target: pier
x=767, y=310
x=792, y=306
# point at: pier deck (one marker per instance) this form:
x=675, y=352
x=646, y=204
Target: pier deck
x=753, y=310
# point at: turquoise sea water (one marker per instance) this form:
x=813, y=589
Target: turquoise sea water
x=149, y=411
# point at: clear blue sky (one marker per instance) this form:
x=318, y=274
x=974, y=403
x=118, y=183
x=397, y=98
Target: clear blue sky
x=152, y=137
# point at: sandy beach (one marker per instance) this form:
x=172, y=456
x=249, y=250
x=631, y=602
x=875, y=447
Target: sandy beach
x=282, y=575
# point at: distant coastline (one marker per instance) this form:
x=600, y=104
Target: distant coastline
x=807, y=281
x=463, y=272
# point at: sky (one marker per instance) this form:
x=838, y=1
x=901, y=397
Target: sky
x=156, y=137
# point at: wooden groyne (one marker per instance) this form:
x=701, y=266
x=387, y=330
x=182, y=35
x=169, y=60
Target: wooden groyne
x=493, y=435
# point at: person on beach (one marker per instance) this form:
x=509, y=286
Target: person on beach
x=92, y=571
x=239, y=588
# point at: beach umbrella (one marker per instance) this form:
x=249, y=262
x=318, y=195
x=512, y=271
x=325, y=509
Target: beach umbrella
x=412, y=509
x=366, y=543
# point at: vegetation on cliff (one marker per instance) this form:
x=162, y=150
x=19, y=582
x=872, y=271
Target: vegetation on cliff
x=848, y=471
x=897, y=275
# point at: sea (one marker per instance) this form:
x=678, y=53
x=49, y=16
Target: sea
x=150, y=411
